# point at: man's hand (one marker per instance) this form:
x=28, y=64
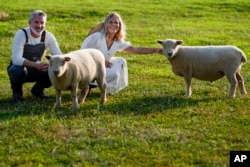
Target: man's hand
x=42, y=66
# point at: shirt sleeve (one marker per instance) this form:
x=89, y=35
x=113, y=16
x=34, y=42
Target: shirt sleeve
x=51, y=43
x=123, y=45
x=92, y=41
x=17, y=48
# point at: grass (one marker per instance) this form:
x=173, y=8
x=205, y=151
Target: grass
x=149, y=123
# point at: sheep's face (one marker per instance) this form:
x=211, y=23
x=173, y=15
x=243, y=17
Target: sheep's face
x=170, y=47
x=58, y=65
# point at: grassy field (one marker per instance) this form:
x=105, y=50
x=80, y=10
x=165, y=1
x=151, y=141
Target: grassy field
x=149, y=123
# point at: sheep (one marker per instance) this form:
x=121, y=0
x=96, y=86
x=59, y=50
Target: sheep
x=207, y=63
x=75, y=70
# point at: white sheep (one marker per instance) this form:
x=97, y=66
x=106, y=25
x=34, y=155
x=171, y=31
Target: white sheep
x=75, y=70
x=208, y=63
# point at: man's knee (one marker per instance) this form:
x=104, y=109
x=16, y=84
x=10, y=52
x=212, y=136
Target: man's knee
x=16, y=73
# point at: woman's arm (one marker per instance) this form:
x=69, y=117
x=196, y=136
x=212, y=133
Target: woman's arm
x=142, y=50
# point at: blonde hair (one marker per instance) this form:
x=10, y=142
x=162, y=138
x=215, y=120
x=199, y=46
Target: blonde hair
x=103, y=27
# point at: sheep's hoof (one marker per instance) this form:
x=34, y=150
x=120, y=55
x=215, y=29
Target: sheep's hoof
x=74, y=108
x=81, y=101
x=58, y=106
x=103, y=101
x=244, y=94
x=231, y=97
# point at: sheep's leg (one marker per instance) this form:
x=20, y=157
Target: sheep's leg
x=58, y=98
x=83, y=94
x=103, y=98
x=75, y=104
x=187, y=80
x=233, y=84
x=102, y=85
x=241, y=83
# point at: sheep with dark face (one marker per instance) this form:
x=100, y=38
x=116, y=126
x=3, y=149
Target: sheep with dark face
x=208, y=63
x=75, y=70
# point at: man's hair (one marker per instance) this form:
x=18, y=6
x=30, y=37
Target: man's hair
x=37, y=12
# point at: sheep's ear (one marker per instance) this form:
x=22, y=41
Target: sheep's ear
x=160, y=41
x=67, y=58
x=179, y=42
x=48, y=57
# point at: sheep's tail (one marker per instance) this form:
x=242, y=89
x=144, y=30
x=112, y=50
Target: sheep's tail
x=243, y=58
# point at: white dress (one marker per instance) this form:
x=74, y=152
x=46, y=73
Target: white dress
x=117, y=75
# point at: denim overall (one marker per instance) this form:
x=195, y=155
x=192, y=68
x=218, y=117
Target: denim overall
x=19, y=75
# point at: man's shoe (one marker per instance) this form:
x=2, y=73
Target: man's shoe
x=91, y=87
x=42, y=96
x=17, y=97
x=38, y=93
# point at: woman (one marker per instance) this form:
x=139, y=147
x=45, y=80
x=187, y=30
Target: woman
x=109, y=37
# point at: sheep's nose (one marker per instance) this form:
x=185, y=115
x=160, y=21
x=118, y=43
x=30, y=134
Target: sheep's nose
x=56, y=73
x=170, y=54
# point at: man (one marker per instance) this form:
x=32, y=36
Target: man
x=28, y=48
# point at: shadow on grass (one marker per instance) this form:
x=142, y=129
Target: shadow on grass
x=147, y=105
x=30, y=106
x=137, y=106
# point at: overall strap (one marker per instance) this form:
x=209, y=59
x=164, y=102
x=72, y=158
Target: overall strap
x=25, y=35
x=43, y=36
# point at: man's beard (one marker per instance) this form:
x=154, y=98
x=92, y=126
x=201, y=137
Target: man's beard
x=35, y=31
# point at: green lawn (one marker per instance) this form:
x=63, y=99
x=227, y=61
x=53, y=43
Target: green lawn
x=150, y=123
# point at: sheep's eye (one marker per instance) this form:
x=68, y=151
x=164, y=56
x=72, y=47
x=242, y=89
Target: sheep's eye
x=63, y=63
